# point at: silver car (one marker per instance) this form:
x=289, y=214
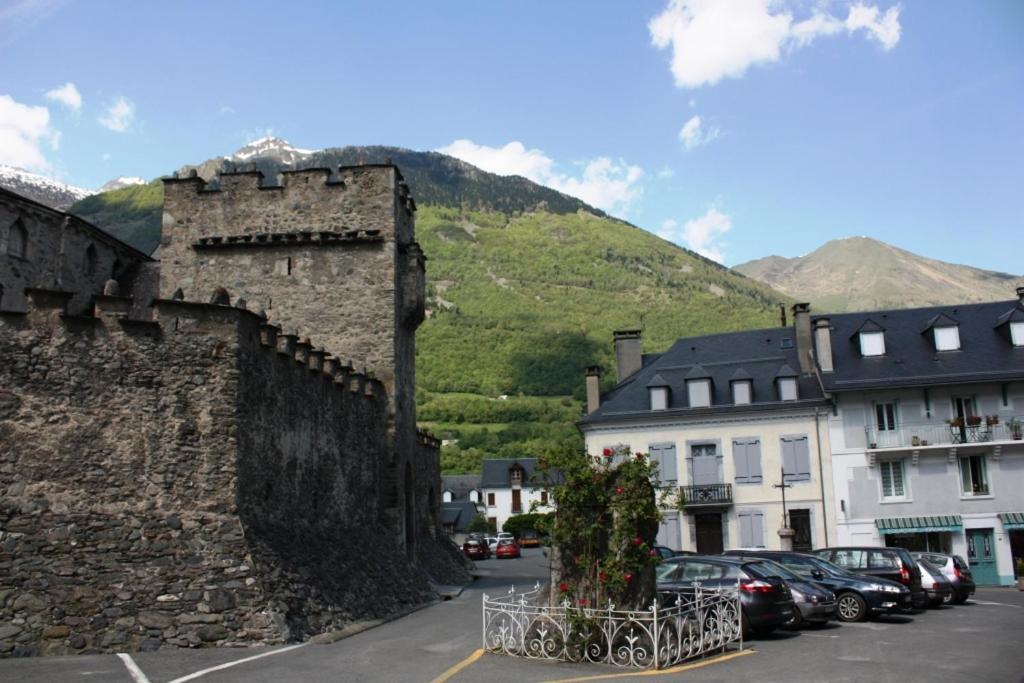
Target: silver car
x=955, y=570
x=935, y=584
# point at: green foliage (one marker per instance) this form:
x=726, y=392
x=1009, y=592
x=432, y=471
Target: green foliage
x=481, y=525
x=531, y=521
x=131, y=214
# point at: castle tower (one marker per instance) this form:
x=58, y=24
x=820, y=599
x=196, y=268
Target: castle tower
x=329, y=255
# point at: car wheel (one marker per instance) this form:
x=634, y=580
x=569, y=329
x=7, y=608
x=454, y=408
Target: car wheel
x=851, y=607
x=797, y=621
x=947, y=599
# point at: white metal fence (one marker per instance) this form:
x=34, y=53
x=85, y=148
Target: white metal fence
x=702, y=622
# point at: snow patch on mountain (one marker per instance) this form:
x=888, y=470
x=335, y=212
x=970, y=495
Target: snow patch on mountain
x=273, y=147
x=121, y=181
x=48, y=191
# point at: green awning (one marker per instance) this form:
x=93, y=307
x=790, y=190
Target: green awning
x=1012, y=520
x=913, y=525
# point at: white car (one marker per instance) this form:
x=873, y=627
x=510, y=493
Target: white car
x=492, y=543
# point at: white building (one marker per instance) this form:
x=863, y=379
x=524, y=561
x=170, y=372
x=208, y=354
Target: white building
x=511, y=487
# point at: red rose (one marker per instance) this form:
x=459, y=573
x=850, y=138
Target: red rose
x=652, y=553
x=602, y=576
x=608, y=452
x=619, y=490
x=583, y=602
x=563, y=587
x=629, y=576
x=638, y=541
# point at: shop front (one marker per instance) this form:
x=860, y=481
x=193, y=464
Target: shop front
x=1013, y=523
x=933, y=533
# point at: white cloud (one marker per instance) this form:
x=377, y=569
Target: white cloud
x=665, y=173
x=714, y=39
x=694, y=134
x=67, y=95
x=702, y=235
x=119, y=116
x=610, y=185
x=24, y=129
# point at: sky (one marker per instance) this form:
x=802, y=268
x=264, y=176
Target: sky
x=737, y=128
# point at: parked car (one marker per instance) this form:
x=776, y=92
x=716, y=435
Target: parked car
x=507, y=547
x=857, y=597
x=765, y=601
x=936, y=586
x=476, y=549
x=894, y=564
x=664, y=552
x=492, y=543
x=529, y=539
x=956, y=570
x=814, y=604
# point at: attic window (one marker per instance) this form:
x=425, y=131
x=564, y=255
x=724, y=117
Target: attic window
x=787, y=389
x=786, y=343
x=698, y=392
x=742, y=392
x=515, y=476
x=659, y=398
x=872, y=344
x=947, y=338
x=1017, y=333
x=446, y=496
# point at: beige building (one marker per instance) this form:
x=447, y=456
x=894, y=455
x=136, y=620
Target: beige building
x=728, y=418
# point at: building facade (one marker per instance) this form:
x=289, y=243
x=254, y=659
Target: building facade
x=512, y=487
x=730, y=419
x=925, y=429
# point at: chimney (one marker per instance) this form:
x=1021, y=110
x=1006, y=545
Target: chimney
x=593, y=388
x=802, y=323
x=823, y=343
x=1020, y=294
x=782, y=315
x=627, y=353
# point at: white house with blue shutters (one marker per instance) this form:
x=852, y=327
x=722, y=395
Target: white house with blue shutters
x=729, y=418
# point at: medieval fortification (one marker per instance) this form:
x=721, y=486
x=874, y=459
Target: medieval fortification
x=220, y=446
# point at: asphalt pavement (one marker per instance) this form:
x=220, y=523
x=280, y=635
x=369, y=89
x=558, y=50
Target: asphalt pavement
x=979, y=641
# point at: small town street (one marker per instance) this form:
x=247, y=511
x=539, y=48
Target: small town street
x=978, y=640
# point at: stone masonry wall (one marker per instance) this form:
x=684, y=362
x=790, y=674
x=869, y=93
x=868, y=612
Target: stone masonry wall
x=182, y=482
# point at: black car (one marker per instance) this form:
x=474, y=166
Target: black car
x=857, y=597
x=814, y=604
x=765, y=601
x=664, y=552
x=894, y=564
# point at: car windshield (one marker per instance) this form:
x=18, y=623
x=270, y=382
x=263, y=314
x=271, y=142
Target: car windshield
x=505, y=541
x=766, y=569
x=664, y=569
x=828, y=567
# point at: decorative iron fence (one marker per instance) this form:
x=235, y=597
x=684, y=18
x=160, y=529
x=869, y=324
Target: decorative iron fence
x=701, y=622
x=706, y=494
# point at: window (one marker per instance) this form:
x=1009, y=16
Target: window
x=90, y=260
x=973, y=476
x=699, y=393
x=746, y=455
x=742, y=393
x=947, y=338
x=796, y=458
x=1017, y=333
x=872, y=343
x=17, y=240
x=885, y=416
x=517, y=501
x=659, y=398
x=751, y=529
x=878, y=559
x=543, y=497
x=515, y=476
x=446, y=496
x=892, y=479
x=490, y=500
x=787, y=389
x=474, y=496
x=664, y=455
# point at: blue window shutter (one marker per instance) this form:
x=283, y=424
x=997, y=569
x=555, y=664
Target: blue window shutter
x=668, y=466
x=788, y=459
x=746, y=529
x=802, y=456
x=754, y=461
x=739, y=458
x=757, y=529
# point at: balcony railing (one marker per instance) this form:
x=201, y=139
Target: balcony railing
x=706, y=495
x=938, y=433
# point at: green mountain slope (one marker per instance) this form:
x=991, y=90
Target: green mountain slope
x=860, y=273
x=525, y=286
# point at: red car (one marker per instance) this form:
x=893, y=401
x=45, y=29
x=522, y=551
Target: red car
x=507, y=548
x=476, y=550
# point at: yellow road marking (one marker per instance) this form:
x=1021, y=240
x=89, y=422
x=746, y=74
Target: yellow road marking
x=660, y=672
x=459, y=667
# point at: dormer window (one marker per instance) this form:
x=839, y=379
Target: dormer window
x=1017, y=333
x=658, y=389
x=872, y=344
x=515, y=476
x=474, y=496
x=742, y=384
x=698, y=387
x=947, y=338
x=786, y=383
x=446, y=496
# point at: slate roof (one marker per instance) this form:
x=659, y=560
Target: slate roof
x=757, y=355
x=986, y=353
x=496, y=473
x=460, y=485
x=458, y=514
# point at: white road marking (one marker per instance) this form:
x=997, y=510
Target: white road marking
x=1000, y=604
x=219, y=667
x=133, y=668
x=817, y=635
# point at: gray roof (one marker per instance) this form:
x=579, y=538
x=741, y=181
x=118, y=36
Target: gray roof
x=758, y=355
x=496, y=473
x=986, y=353
x=460, y=485
x=458, y=514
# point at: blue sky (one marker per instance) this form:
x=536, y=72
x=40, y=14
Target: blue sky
x=739, y=128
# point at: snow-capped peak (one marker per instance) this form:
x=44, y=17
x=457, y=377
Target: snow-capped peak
x=121, y=181
x=40, y=188
x=271, y=147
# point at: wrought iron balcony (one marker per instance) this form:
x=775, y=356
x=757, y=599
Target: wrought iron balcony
x=942, y=433
x=706, y=495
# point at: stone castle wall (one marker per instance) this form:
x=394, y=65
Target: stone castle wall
x=199, y=478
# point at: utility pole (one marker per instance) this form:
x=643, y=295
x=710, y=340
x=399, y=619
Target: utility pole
x=786, y=533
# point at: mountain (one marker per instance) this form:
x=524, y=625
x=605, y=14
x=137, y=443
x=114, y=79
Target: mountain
x=44, y=190
x=860, y=273
x=121, y=181
x=524, y=287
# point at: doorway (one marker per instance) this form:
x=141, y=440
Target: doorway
x=800, y=522
x=981, y=555
x=709, y=533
